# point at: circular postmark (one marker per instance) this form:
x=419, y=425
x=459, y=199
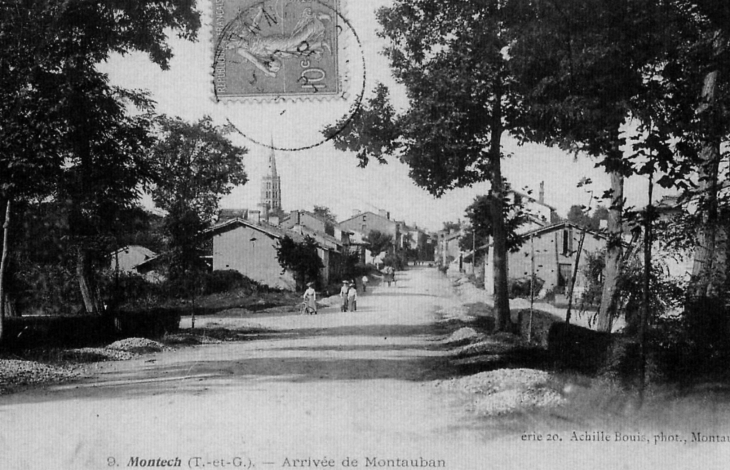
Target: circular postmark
x=283, y=70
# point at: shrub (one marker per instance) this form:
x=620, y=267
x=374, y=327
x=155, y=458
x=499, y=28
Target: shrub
x=398, y=261
x=223, y=281
x=44, y=288
x=521, y=287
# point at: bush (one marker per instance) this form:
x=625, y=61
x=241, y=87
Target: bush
x=520, y=287
x=127, y=288
x=44, y=288
x=223, y=281
x=695, y=343
x=397, y=261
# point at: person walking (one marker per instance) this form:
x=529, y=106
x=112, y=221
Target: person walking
x=310, y=298
x=352, y=297
x=364, y=284
x=389, y=274
x=343, y=296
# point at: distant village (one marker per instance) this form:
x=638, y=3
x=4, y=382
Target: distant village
x=245, y=240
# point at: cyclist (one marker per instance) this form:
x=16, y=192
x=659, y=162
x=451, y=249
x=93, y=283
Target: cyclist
x=310, y=299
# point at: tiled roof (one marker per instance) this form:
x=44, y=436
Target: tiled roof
x=145, y=251
x=275, y=232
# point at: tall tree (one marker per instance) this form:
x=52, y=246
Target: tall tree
x=480, y=214
x=64, y=126
x=325, y=213
x=197, y=165
x=450, y=58
x=300, y=258
x=578, y=65
x=379, y=242
x=710, y=49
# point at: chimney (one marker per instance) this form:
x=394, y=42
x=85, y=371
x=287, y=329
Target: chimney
x=384, y=213
x=255, y=216
x=355, y=212
x=542, y=192
x=263, y=212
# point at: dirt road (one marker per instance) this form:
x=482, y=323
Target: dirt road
x=335, y=390
x=334, y=385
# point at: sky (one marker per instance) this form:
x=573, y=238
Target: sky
x=322, y=175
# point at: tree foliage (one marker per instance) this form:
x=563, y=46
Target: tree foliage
x=450, y=58
x=379, y=242
x=325, y=213
x=197, y=165
x=480, y=214
x=592, y=221
x=66, y=132
x=300, y=258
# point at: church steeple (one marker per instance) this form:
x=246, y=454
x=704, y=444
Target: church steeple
x=271, y=185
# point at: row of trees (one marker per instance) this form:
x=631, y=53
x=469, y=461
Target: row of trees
x=74, y=145
x=578, y=74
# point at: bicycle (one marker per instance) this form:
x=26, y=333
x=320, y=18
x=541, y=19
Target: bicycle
x=306, y=309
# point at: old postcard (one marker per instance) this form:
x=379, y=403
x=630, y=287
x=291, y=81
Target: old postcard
x=364, y=234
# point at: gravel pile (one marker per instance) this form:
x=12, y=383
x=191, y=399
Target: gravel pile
x=462, y=334
x=504, y=390
x=513, y=400
x=469, y=293
x=97, y=355
x=489, y=346
x=16, y=373
x=137, y=345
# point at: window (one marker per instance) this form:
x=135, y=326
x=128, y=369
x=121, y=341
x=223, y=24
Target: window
x=567, y=242
x=565, y=272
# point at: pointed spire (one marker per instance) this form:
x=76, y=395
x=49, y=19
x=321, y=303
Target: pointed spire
x=272, y=159
x=271, y=184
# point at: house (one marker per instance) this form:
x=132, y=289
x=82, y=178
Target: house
x=538, y=213
x=448, y=248
x=555, y=251
x=135, y=259
x=250, y=249
x=153, y=269
x=366, y=222
x=126, y=259
x=307, y=219
x=677, y=263
x=330, y=250
x=357, y=243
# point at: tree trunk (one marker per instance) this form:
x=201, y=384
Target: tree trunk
x=575, y=274
x=707, y=274
x=607, y=311
x=3, y=267
x=646, y=298
x=88, y=293
x=499, y=232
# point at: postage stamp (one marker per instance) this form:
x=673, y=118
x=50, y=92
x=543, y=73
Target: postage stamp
x=276, y=49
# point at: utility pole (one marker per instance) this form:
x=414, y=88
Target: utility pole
x=532, y=286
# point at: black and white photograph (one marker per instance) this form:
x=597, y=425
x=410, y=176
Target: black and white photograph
x=364, y=234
